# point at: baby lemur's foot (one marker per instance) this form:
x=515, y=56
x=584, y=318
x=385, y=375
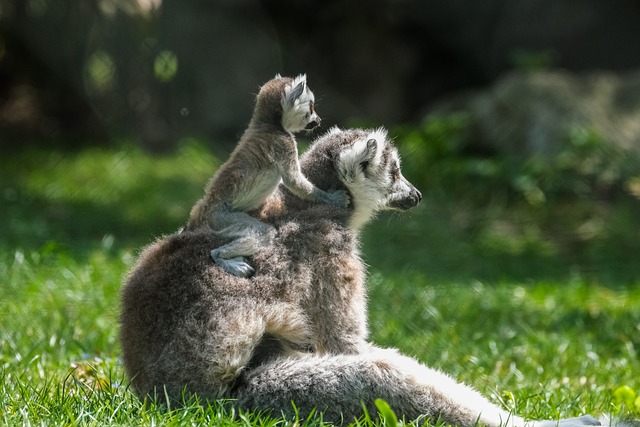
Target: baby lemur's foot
x=237, y=266
x=338, y=198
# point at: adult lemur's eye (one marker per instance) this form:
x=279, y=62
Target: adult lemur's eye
x=311, y=107
x=395, y=173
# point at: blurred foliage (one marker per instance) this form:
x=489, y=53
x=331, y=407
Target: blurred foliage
x=83, y=72
x=533, y=60
x=485, y=216
x=491, y=215
x=441, y=155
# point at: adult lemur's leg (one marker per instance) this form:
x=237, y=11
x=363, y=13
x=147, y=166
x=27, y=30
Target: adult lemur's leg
x=338, y=386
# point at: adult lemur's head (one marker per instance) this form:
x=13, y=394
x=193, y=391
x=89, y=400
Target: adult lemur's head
x=367, y=165
x=286, y=103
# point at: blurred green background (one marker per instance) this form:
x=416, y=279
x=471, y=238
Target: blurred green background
x=519, y=121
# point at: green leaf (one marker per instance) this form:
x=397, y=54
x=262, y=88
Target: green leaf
x=386, y=413
x=625, y=395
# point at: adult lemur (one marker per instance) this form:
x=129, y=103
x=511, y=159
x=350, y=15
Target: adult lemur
x=266, y=153
x=295, y=332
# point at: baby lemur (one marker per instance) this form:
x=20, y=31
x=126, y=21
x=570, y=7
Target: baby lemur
x=266, y=154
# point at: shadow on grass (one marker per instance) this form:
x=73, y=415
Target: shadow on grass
x=79, y=225
x=79, y=199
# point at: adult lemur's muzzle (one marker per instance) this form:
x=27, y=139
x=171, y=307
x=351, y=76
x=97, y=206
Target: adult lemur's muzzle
x=313, y=124
x=406, y=200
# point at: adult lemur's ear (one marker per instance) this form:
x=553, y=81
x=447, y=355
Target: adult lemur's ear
x=293, y=90
x=369, y=154
x=370, y=151
x=364, y=153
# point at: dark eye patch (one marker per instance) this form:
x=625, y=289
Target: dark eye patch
x=395, y=172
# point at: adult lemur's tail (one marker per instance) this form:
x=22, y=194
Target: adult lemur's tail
x=340, y=386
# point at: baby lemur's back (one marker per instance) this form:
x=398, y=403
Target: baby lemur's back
x=247, y=178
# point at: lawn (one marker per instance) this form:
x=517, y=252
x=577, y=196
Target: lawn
x=538, y=324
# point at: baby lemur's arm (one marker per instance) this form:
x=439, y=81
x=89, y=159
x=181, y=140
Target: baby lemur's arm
x=299, y=185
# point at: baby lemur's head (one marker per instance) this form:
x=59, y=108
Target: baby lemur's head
x=289, y=102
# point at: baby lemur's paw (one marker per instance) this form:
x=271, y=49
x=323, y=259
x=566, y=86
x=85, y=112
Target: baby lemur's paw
x=338, y=198
x=237, y=266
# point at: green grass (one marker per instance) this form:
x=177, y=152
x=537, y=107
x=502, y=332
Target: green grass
x=524, y=322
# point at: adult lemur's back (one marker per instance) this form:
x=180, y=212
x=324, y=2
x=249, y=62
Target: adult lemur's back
x=296, y=331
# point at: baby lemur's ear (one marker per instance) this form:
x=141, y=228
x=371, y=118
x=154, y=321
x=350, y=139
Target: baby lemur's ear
x=293, y=90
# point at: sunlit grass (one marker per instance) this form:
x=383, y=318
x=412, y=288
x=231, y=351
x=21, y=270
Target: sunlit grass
x=566, y=341
x=544, y=346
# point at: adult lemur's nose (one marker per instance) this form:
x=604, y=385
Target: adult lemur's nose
x=412, y=199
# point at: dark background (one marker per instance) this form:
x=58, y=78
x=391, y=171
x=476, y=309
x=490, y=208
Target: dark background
x=79, y=72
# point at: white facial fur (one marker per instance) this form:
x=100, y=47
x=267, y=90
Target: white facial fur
x=367, y=180
x=298, y=106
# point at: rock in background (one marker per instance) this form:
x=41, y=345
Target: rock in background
x=528, y=113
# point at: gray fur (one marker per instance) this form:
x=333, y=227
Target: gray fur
x=266, y=154
x=296, y=331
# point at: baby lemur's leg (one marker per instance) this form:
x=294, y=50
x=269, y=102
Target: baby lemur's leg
x=249, y=235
